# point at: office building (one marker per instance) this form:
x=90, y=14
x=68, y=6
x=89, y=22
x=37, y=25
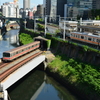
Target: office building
x=96, y=4
x=54, y=8
x=10, y=9
x=40, y=11
x=26, y=4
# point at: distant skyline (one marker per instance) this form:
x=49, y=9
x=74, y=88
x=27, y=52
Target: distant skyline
x=32, y=2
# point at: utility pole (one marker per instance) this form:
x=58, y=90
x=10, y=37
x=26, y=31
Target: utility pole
x=34, y=23
x=64, y=32
x=45, y=25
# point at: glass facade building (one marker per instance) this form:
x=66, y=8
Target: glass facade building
x=54, y=8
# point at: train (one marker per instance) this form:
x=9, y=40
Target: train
x=19, y=51
x=85, y=37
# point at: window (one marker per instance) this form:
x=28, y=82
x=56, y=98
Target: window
x=76, y=36
x=89, y=39
x=6, y=54
x=93, y=39
x=82, y=37
x=17, y=52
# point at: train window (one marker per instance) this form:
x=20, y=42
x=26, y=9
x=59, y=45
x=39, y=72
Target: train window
x=72, y=35
x=6, y=54
x=78, y=36
x=93, y=39
x=89, y=39
x=85, y=38
x=98, y=40
x=82, y=37
x=75, y=35
x=12, y=54
x=17, y=52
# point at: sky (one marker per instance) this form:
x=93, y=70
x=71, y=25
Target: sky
x=32, y=2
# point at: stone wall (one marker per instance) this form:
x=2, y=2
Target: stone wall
x=77, y=52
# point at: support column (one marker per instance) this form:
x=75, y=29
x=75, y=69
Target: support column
x=45, y=65
x=4, y=95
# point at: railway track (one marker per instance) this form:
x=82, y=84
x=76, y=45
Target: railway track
x=8, y=68
x=3, y=65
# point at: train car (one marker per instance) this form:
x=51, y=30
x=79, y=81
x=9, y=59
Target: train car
x=19, y=51
x=85, y=37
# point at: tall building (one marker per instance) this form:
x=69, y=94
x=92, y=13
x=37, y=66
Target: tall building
x=26, y=4
x=39, y=11
x=74, y=3
x=10, y=9
x=96, y=4
x=79, y=8
x=54, y=8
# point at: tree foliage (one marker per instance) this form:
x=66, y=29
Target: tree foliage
x=25, y=38
x=77, y=72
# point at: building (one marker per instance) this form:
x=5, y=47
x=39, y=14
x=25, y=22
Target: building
x=96, y=4
x=68, y=26
x=73, y=3
x=78, y=8
x=26, y=4
x=10, y=9
x=40, y=11
x=54, y=9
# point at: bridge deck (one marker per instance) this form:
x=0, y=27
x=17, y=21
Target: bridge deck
x=4, y=70
x=20, y=69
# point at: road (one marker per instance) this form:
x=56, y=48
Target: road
x=50, y=28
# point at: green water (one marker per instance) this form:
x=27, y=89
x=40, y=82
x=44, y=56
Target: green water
x=37, y=85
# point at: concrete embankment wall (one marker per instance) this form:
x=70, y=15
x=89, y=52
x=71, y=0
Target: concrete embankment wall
x=77, y=52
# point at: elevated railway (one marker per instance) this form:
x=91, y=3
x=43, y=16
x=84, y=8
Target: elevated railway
x=11, y=72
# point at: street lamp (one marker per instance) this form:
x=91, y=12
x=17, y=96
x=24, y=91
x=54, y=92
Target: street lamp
x=64, y=32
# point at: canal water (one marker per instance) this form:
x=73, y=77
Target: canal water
x=36, y=85
x=9, y=41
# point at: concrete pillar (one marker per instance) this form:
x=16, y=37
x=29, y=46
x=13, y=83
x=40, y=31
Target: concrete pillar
x=0, y=31
x=5, y=95
x=45, y=65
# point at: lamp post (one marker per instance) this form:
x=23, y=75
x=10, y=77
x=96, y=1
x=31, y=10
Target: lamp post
x=64, y=32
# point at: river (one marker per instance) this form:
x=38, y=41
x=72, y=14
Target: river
x=9, y=41
x=36, y=85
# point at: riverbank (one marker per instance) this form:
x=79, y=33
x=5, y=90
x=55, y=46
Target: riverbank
x=82, y=90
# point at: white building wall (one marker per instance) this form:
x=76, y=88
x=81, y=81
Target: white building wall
x=10, y=9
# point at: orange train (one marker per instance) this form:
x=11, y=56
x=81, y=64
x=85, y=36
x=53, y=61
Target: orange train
x=85, y=37
x=19, y=51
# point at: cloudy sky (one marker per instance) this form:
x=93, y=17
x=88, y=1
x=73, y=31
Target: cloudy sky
x=32, y=2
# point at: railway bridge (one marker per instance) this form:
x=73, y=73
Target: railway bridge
x=11, y=72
